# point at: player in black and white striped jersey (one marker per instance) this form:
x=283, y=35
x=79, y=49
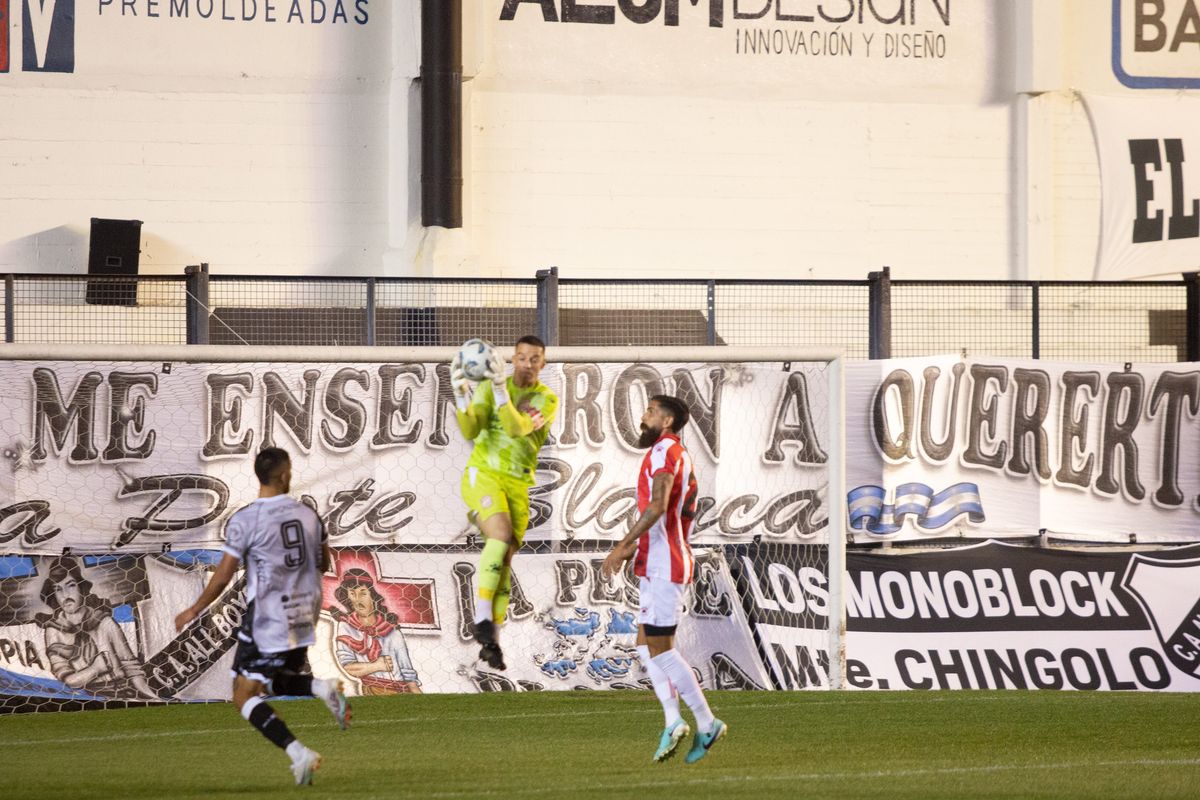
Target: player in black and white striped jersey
x=281, y=544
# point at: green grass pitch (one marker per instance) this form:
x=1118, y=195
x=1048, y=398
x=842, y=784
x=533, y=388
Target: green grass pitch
x=599, y=744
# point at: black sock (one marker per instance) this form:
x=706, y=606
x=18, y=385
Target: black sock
x=292, y=684
x=262, y=716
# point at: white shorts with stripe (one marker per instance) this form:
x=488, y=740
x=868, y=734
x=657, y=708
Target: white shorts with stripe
x=661, y=602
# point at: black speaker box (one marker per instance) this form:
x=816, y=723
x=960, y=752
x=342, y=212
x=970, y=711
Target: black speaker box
x=113, y=251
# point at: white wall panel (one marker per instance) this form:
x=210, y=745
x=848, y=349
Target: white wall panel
x=693, y=187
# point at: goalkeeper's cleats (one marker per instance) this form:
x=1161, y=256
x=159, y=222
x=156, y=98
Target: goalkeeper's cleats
x=493, y=656
x=334, y=698
x=704, y=741
x=485, y=632
x=304, y=764
x=672, y=735
x=489, y=650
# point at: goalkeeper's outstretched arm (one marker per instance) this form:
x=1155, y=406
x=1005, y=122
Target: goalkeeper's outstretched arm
x=471, y=416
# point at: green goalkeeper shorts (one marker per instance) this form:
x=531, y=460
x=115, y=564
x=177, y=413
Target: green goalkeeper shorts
x=488, y=494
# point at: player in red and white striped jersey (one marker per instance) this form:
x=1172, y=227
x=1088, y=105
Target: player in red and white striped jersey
x=666, y=493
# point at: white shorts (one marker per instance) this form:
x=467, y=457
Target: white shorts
x=661, y=601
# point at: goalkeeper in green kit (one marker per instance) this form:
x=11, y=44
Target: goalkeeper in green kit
x=509, y=420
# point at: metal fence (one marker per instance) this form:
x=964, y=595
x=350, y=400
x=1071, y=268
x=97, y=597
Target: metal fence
x=871, y=318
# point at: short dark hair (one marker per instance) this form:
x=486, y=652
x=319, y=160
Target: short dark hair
x=676, y=408
x=268, y=463
x=530, y=339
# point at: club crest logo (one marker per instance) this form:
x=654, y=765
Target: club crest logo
x=1169, y=593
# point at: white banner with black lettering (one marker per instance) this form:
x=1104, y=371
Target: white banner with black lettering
x=137, y=457
x=785, y=595
x=997, y=616
x=985, y=616
x=975, y=447
x=1149, y=151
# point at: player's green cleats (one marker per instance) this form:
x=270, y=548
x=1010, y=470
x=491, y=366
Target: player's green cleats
x=704, y=741
x=672, y=735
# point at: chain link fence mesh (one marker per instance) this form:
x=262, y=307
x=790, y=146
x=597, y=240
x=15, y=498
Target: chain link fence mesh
x=296, y=311
x=802, y=314
x=1137, y=322
x=615, y=313
x=97, y=309
x=450, y=312
x=1081, y=321
x=978, y=318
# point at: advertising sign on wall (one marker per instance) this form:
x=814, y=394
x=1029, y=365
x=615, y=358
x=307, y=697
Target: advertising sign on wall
x=166, y=42
x=984, y=616
x=1155, y=45
x=853, y=49
x=1149, y=151
x=996, y=616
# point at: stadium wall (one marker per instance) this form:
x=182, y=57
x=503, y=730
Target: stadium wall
x=725, y=138
x=259, y=136
x=804, y=139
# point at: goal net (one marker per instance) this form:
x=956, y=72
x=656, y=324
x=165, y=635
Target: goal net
x=120, y=470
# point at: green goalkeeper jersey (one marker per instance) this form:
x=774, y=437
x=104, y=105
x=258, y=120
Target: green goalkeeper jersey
x=507, y=439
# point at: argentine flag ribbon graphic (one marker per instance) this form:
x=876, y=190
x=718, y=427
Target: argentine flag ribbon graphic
x=930, y=511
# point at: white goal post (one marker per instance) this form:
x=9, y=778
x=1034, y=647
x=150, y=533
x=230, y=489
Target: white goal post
x=385, y=472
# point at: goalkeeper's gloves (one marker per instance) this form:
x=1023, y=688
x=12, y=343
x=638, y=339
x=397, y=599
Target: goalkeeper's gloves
x=495, y=374
x=460, y=384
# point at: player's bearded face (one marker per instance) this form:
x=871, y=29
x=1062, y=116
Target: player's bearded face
x=653, y=422
x=649, y=436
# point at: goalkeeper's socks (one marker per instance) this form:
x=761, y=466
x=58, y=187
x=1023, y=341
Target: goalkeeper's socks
x=259, y=714
x=502, y=596
x=663, y=689
x=685, y=683
x=491, y=569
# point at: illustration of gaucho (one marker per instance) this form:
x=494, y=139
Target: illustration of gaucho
x=369, y=644
x=84, y=644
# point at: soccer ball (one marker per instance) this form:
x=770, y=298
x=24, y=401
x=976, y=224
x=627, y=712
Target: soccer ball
x=475, y=355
